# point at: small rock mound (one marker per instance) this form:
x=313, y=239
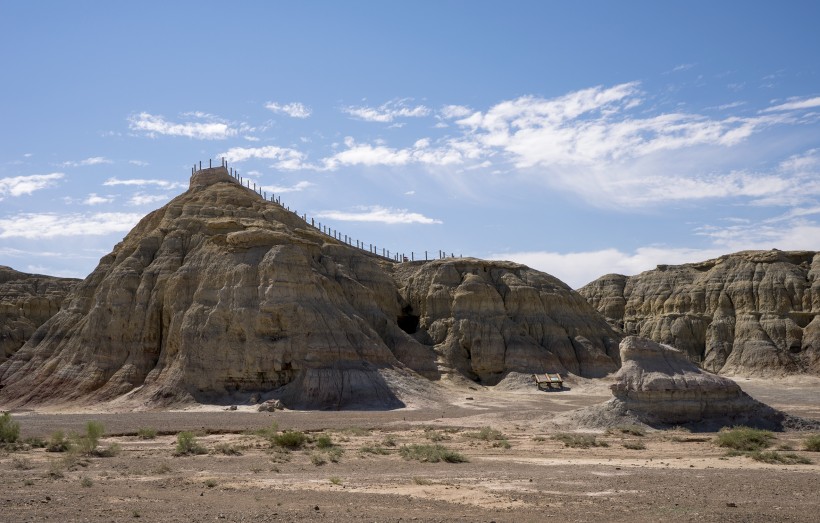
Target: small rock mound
x=659, y=386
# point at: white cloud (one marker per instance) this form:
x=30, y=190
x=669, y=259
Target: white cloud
x=298, y=187
x=50, y=225
x=387, y=112
x=94, y=160
x=139, y=182
x=378, y=214
x=139, y=163
x=145, y=199
x=294, y=110
x=450, y=112
x=794, y=105
x=286, y=158
x=154, y=125
x=94, y=199
x=20, y=185
x=451, y=153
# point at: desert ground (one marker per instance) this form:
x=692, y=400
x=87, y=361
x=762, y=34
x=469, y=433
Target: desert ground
x=356, y=465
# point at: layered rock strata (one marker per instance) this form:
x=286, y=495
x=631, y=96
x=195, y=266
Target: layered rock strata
x=662, y=385
x=26, y=302
x=220, y=296
x=749, y=313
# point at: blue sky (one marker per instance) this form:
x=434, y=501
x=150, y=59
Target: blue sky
x=580, y=138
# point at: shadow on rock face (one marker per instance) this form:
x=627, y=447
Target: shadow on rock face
x=356, y=388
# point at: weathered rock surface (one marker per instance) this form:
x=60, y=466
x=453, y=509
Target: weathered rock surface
x=749, y=313
x=662, y=384
x=26, y=302
x=221, y=296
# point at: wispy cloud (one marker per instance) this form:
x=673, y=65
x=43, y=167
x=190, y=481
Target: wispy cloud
x=294, y=109
x=387, y=112
x=50, y=225
x=20, y=185
x=140, y=182
x=95, y=199
x=794, y=105
x=139, y=163
x=153, y=125
x=145, y=199
x=280, y=189
x=455, y=111
x=378, y=214
x=284, y=157
x=94, y=160
x=422, y=152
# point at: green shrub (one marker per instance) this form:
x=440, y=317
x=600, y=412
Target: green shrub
x=582, y=441
x=58, y=442
x=334, y=454
x=86, y=482
x=335, y=480
x=431, y=454
x=317, y=459
x=434, y=435
x=268, y=433
x=87, y=443
x=147, y=433
x=389, y=441
x=324, y=442
x=9, y=429
x=290, y=439
x=188, y=445
x=770, y=456
x=210, y=483
x=744, y=438
x=812, y=443
x=487, y=434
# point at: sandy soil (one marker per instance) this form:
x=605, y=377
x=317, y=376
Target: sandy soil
x=677, y=476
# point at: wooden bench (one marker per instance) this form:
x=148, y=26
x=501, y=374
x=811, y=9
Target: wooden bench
x=548, y=380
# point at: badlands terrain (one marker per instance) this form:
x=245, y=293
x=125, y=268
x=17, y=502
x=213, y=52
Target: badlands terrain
x=403, y=390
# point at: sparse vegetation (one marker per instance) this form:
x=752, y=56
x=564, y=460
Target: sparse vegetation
x=9, y=429
x=389, y=441
x=58, y=442
x=634, y=445
x=581, y=441
x=291, y=439
x=268, y=433
x=210, y=483
x=431, y=454
x=773, y=457
x=22, y=464
x=539, y=438
x=435, y=436
x=812, y=443
x=373, y=449
x=187, y=445
x=632, y=430
x=87, y=443
x=86, y=482
x=147, y=433
x=421, y=481
x=336, y=480
x=745, y=439
x=162, y=469
x=334, y=454
x=227, y=449
x=497, y=437
x=324, y=442
x=317, y=459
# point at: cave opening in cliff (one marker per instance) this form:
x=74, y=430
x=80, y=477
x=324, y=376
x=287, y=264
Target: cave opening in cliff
x=408, y=322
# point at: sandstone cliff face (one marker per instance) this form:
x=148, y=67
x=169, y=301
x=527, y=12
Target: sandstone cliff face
x=26, y=302
x=754, y=312
x=221, y=295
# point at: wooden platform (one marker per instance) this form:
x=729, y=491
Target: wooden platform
x=548, y=380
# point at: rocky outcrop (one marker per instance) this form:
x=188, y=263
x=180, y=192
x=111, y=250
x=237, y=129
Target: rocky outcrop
x=484, y=319
x=663, y=385
x=753, y=312
x=221, y=296
x=26, y=302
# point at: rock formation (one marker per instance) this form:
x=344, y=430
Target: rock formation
x=753, y=312
x=26, y=302
x=221, y=296
x=659, y=386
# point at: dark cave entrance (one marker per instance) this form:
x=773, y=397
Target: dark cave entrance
x=408, y=322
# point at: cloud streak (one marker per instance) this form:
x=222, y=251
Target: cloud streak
x=294, y=110
x=387, y=112
x=94, y=160
x=141, y=182
x=37, y=226
x=379, y=214
x=20, y=185
x=154, y=125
